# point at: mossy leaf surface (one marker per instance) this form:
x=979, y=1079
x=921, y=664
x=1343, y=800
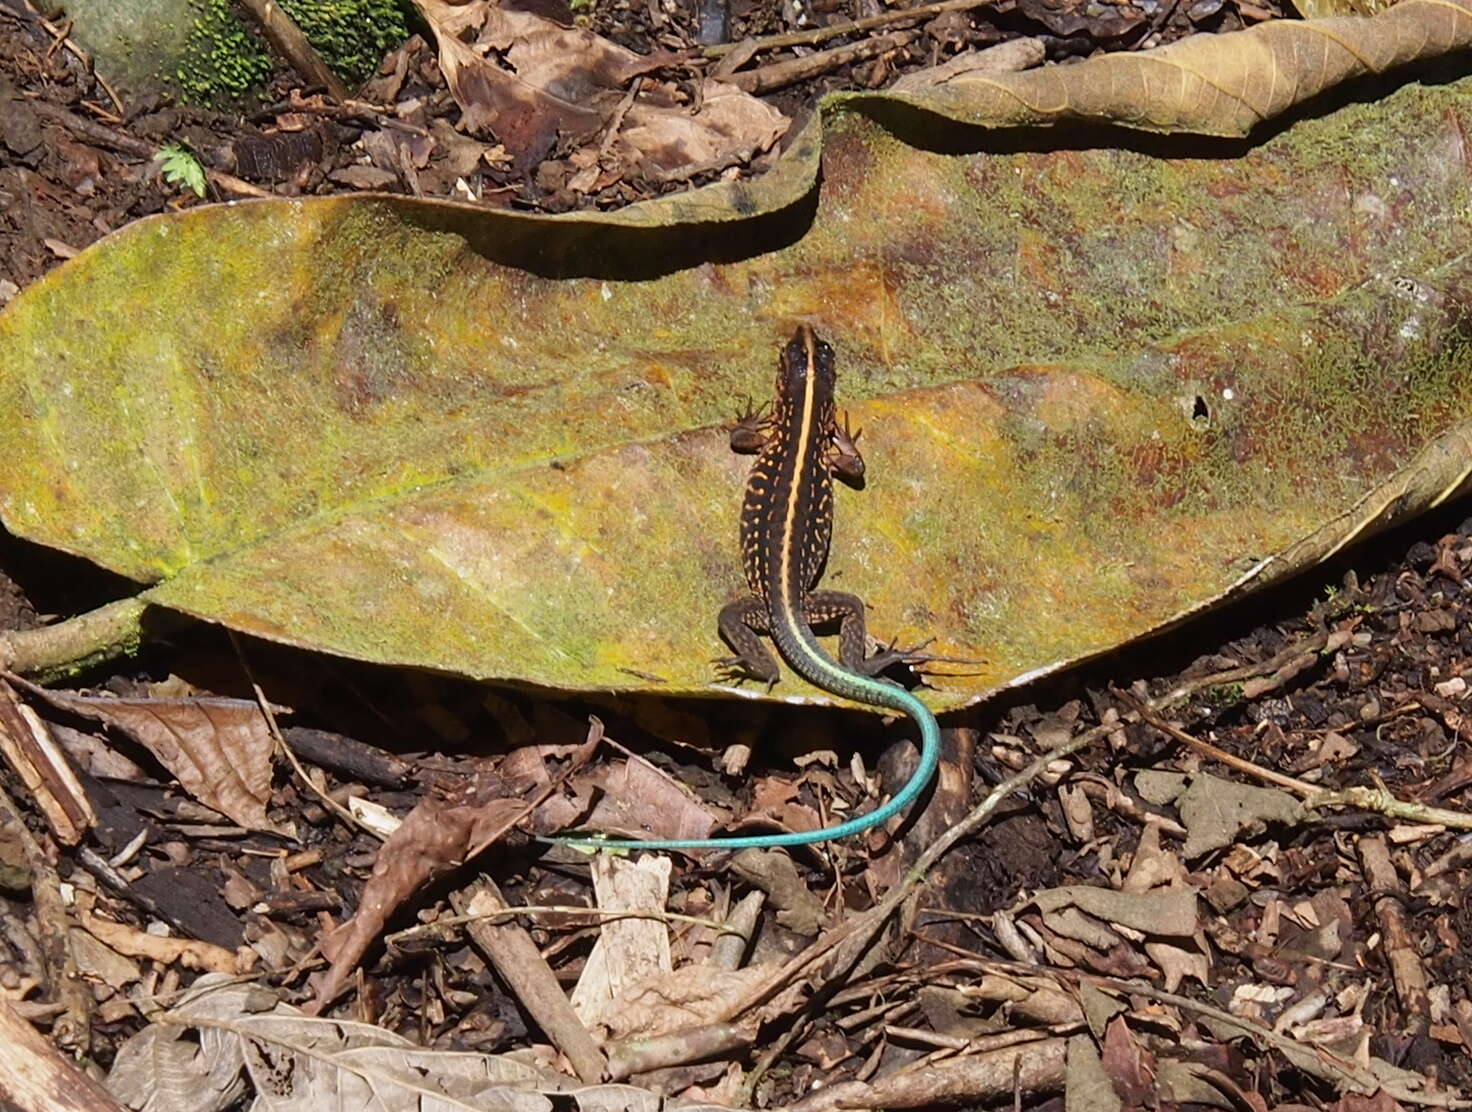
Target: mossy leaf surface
x=1099, y=388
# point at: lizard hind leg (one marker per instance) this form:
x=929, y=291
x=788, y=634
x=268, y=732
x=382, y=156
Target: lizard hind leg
x=740, y=623
x=825, y=608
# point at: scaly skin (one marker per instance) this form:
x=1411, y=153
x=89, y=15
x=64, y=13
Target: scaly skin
x=786, y=527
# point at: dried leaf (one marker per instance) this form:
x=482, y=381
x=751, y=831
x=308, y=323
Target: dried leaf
x=1164, y=912
x=638, y=800
x=798, y=908
x=220, y=750
x=98, y=961
x=565, y=84
x=524, y=119
x=1178, y=962
x=1193, y=1083
x=301, y=1064
x=436, y=836
x=1222, y=85
x=668, y=143
x=158, y=1070
x=1087, y=1085
x=438, y=466
x=1215, y=811
x=691, y=996
x=1129, y=1065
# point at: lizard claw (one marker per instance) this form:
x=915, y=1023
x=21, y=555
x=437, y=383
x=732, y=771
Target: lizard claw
x=889, y=656
x=737, y=670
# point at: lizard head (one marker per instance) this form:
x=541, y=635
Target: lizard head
x=804, y=357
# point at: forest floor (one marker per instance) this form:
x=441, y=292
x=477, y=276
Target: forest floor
x=1178, y=897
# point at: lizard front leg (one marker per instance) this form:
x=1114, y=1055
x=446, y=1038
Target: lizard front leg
x=842, y=456
x=749, y=433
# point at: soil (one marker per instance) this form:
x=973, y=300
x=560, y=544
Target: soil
x=1339, y=928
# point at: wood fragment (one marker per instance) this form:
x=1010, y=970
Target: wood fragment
x=349, y=757
x=28, y=747
x=691, y=1044
x=907, y=17
x=287, y=38
x=779, y=75
x=728, y=950
x=1029, y=1069
x=1406, y=970
x=531, y=980
x=36, y=1077
x=109, y=631
x=1012, y=56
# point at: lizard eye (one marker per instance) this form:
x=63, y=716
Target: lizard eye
x=824, y=360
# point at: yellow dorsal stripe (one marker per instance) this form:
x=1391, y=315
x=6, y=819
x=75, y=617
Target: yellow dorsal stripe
x=799, y=461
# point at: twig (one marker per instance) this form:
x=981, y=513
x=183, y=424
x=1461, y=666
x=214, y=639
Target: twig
x=1377, y=799
x=63, y=36
x=516, y=958
x=292, y=45
x=34, y=1074
x=627, y=1057
x=231, y=184
x=1205, y=748
x=1188, y=688
x=727, y=951
x=94, y=132
x=848, y=27
x=1406, y=970
x=115, y=629
x=440, y=929
x=779, y=75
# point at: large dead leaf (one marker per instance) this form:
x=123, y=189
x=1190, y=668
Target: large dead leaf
x=1208, y=84
x=1100, y=389
x=1216, y=811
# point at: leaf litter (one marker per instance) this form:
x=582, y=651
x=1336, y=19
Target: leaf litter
x=1233, y=950
x=1319, y=953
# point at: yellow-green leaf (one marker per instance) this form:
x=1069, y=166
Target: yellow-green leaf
x=1100, y=388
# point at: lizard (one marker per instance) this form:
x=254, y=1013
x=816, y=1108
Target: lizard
x=786, y=530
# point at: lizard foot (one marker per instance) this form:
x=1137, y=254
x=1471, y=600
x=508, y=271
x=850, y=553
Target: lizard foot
x=737, y=670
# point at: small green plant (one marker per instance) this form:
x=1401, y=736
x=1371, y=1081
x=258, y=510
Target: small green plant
x=1222, y=695
x=180, y=167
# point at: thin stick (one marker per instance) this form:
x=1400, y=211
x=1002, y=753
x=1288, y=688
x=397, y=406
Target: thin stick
x=790, y=71
x=1378, y=799
x=1205, y=748
x=848, y=27
x=292, y=45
